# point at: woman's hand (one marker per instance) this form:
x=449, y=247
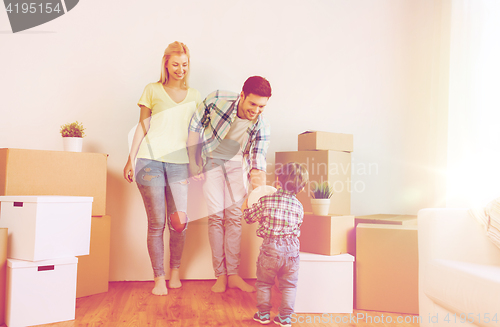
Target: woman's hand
x=196, y=171
x=128, y=171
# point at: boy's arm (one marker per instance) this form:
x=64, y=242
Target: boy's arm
x=253, y=214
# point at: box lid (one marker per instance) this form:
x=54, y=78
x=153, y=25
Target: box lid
x=45, y=198
x=15, y=263
x=344, y=257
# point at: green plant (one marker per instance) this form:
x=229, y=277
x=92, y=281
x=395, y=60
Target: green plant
x=322, y=191
x=72, y=130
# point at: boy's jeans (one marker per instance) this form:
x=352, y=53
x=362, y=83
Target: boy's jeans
x=278, y=257
x=159, y=182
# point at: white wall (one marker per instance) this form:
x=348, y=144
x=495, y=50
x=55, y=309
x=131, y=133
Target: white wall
x=368, y=68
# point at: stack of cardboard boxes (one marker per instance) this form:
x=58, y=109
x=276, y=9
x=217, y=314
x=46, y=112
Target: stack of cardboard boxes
x=326, y=273
x=31, y=180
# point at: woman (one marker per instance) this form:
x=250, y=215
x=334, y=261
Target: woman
x=161, y=169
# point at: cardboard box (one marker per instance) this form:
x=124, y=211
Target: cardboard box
x=40, y=292
x=327, y=235
x=93, y=269
x=313, y=140
x=387, y=264
x=38, y=172
x=46, y=227
x=325, y=284
x=387, y=219
x=331, y=166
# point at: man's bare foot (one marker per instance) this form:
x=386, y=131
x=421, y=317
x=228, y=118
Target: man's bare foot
x=220, y=284
x=174, y=281
x=235, y=281
x=160, y=286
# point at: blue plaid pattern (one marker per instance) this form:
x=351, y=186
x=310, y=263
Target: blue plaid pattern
x=213, y=120
x=279, y=215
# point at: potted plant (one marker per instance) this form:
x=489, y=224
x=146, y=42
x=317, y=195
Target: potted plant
x=72, y=134
x=321, y=195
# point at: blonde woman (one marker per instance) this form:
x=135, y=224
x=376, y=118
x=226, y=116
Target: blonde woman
x=158, y=160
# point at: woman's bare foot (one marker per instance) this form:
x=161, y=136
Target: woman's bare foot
x=220, y=284
x=174, y=281
x=160, y=286
x=235, y=281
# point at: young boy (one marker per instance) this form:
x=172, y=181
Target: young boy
x=279, y=215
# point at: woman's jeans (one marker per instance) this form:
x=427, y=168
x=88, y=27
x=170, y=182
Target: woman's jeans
x=278, y=257
x=161, y=182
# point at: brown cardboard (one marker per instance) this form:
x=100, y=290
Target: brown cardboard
x=387, y=263
x=387, y=219
x=39, y=172
x=331, y=166
x=3, y=272
x=93, y=269
x=314, y=140
x=327, y=235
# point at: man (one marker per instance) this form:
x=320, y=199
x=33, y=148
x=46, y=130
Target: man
x=233, y=138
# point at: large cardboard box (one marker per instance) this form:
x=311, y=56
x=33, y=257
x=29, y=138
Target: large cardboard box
x=387, y=268
x=327, y=235
x=333, y=167
x=325, y=284
x=313, y=140
x=46, y=227
x=39, y=172
x=93, y=269
x=40, y=292
x=387, y=219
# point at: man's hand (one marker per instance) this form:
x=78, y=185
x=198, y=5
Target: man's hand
x=196, y=171
x=257, y=178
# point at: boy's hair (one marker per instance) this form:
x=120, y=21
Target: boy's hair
x=293, y=177
x=257, y=85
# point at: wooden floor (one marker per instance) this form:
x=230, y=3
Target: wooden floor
x=132, y=304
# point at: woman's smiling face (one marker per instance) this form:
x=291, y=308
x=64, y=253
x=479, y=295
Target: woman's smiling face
x=177, y=66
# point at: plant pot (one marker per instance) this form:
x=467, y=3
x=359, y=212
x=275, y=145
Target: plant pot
x=72, y=144
x=320, y=207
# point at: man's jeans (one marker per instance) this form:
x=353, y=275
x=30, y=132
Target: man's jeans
x=159, y=182
x=278, y=257
x=225, y=191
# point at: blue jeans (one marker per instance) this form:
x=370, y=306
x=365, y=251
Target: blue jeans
x=161, y=182
x=278, y=257
x=225, y=191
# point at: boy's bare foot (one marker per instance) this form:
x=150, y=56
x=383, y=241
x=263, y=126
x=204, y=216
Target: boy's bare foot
x=235, y=281
x=220, y=284
x=174, y=281
x=160, y=286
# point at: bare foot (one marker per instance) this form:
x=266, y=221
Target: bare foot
x=160, y=286
x=235, y=281
x=220, y=284
x=174, y=281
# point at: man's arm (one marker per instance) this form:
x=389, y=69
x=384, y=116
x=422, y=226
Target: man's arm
x=195, y=165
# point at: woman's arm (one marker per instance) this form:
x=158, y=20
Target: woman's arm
x=140, y=132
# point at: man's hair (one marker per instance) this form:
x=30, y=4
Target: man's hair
x=257, y=85
x=293, y=177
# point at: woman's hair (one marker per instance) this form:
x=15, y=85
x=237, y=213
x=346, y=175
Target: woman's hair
x=293, y=177
x=174, y=48
x=257, y=85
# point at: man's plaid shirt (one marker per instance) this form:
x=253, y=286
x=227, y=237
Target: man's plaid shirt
x=279, y=215
x=213, y=120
